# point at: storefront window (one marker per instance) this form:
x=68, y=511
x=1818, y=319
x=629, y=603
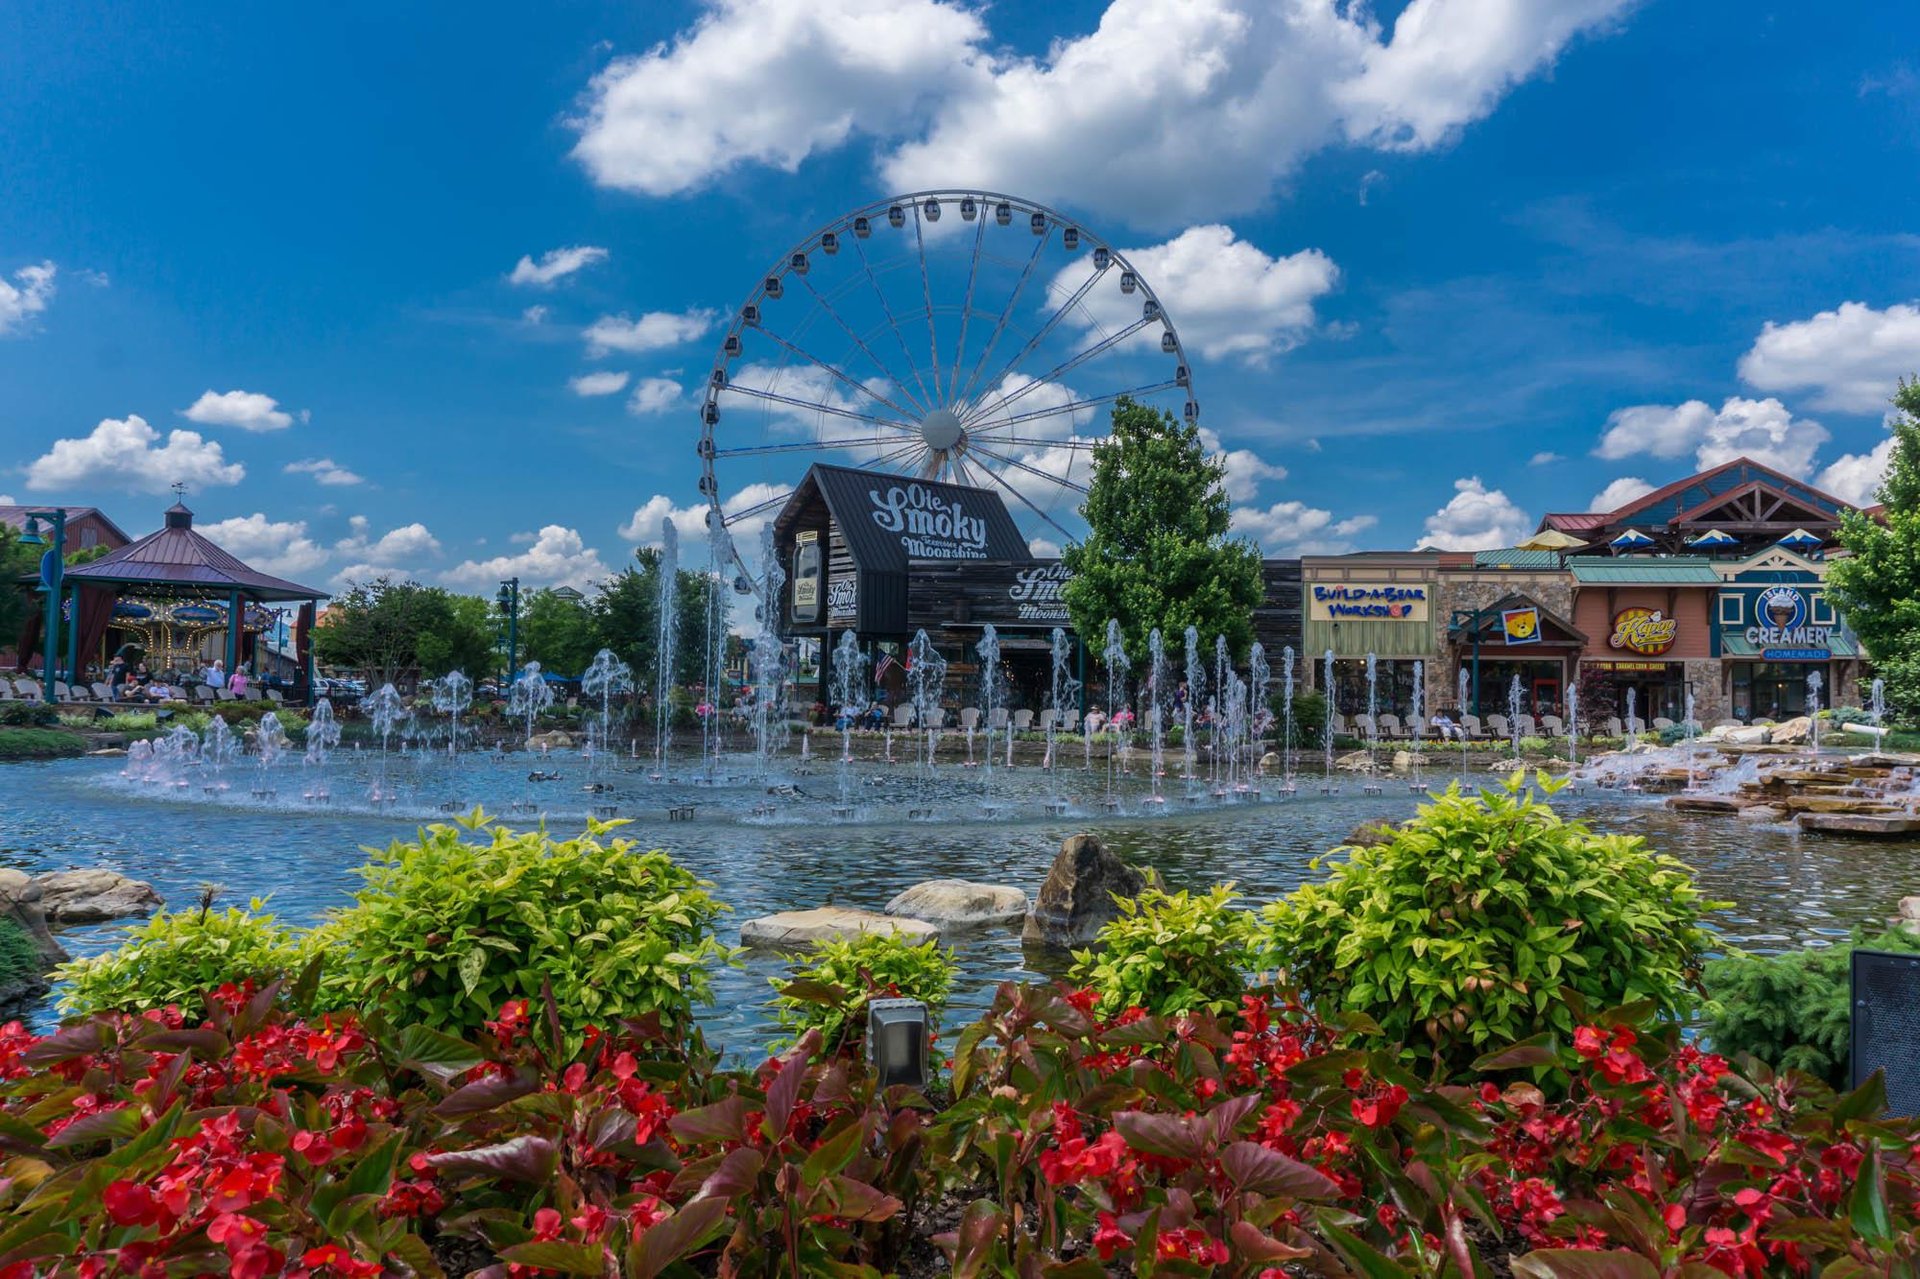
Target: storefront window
x=1542, y=687
x=1774, y=690
x=1393, y=691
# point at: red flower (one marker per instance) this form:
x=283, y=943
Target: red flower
x=547, y=1224
x=313, y=1145
x=1109, y=1238
x=129, y=1203
x=1378, y=1111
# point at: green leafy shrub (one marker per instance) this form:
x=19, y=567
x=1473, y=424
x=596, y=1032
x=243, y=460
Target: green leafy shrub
x=448, y=929
x=28, y=715
x=40, y=743
x=830, y=991
x=175, y=958
x=77, y=719
x=1792, y=1011
x=1309, y=718
x=1464, y=929
x=1171, y=953
x=129, y=722
x=19, y=962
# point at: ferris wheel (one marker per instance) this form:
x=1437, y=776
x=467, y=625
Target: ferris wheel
x=960, y=336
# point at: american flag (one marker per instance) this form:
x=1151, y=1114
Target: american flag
x=886, y=664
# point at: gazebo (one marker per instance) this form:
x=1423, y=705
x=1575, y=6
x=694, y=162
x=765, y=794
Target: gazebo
x=174, y=587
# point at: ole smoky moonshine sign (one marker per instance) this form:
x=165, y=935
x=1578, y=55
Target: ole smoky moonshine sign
x=929, y=526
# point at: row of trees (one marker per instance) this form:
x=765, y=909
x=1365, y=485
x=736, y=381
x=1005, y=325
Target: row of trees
x=393, y=630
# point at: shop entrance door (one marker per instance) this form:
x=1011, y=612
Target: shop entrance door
x=1546, y=696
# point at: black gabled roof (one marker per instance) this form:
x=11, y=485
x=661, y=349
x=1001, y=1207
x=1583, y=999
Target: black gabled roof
x=890, y=519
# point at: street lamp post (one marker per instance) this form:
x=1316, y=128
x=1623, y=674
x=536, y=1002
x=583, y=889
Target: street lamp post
x=52, y=570
x=510, y=605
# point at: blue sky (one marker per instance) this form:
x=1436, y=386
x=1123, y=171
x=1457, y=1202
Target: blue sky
x=1438, y=267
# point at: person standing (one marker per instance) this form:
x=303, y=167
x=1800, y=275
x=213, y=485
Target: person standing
x=238, y=683
x=215, y=676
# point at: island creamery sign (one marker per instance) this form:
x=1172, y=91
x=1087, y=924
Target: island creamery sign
x=1783, y=633
x=930, y=527
x=1367, y=602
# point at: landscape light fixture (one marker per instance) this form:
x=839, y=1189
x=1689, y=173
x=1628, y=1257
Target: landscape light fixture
x=897, y=1032
x=1884, y=1034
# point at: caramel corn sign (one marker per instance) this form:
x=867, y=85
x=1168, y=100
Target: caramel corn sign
x=1646, y=631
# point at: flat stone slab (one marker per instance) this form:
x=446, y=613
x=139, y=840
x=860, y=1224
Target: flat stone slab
x=960, y=902
x=1706, y=803
x=92, y=895
x=795, y=928
x=1884, y=825
x=1836, y=805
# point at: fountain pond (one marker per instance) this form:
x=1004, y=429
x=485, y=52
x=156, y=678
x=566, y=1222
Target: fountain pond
x=803, y=849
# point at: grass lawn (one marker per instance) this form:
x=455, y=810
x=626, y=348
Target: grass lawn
x=40, y=743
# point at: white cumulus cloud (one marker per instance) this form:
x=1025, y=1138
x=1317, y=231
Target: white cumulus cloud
x=1850, y=358
x=1626, y=489
x=772, y=82
x=1227, y=297
x=324, y=470
x=653, y=395
x=280, y=547
x=607, y=382
x=1293, y=528
x=25, y=296
x=555, y=264
x=1856, y=477
x=1246, y=470
x=690, y=522
x=1164, y=113
x=126, y=453
x=1476, y=518
x=654, y=331
x=247, y=410
x=558, y=556
x=398, y=553
x=1763, y=430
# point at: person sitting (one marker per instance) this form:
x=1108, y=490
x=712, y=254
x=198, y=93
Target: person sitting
x=1446, y=730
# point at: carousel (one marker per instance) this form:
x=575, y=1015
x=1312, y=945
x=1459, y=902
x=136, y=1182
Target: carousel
x=181, y=600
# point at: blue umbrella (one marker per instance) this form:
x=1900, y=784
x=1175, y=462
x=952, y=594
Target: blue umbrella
x=1628, y=540
x=1800, y=537
x=1714, y=537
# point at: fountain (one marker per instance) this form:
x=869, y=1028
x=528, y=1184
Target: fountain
x=769, y=659
x=1372, y=787
x=271, y=740
x=1573, y=729
x=1418, y=726
x=1287, y=756
x=1877, y=708
x=988, y=650
x=1063, y=694
x=1516, y=701
x=1196, y=684
x=720, y=555
x=1814, y=683
x=452, y=693
x=1327, y=786
x=218, y=748
x=1156, y=694
x=666, y=641
x=323, y=736
x=1117, y=668
x=927, y=678
x=605, y=678
x=850, y=696
x=383, y=710
x=1218, y=706
x=1259, y=713
x=531, y=695
x=1462, y=685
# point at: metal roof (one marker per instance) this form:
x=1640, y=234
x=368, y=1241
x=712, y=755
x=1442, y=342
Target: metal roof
x=176, y=556
x=889, y=519
x=1673, y=570
x=16, y=515
x=1513, y=557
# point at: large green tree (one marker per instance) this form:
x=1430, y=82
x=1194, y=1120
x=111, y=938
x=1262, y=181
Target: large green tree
x=557, y=631
x=1157, y=551
x=393, y=632
x=1876, y=586
x=626, y=614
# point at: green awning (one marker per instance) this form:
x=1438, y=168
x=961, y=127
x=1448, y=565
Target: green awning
x=1672, y=571
x=1740, y=646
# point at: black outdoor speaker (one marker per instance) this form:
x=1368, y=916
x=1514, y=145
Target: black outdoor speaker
x=1886, y=1025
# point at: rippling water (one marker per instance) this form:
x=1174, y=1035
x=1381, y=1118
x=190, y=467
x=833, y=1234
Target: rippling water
x=1788, y=889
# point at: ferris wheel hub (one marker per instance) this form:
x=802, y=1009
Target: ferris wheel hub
x=940, y=430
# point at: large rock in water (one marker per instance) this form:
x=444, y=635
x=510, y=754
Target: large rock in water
x=21, y=901
x=1076, y=901
x=89, y=896
x=959, y=903
x=792, y=929
x=1372, y=833
x=1792, y=732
